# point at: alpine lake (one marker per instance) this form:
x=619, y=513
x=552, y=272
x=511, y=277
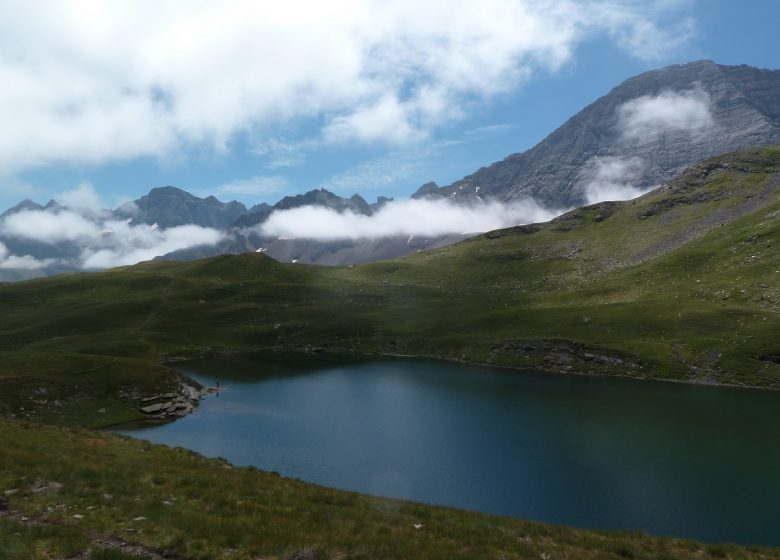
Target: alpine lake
x=666, y=459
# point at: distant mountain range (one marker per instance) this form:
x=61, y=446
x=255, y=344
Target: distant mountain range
x=244, y=234
x=170, y=207
x=640, y=135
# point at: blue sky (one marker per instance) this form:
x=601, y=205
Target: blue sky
x=376, y=98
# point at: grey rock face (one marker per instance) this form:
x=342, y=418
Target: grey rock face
x=256, y=215
x=743, y=102
x=170, y=207
x=322, y=197
x=317, y=197
x=430, y=188
x=26, y=204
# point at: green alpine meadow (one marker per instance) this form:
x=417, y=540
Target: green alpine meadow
x=681, y=284
x=389, y=280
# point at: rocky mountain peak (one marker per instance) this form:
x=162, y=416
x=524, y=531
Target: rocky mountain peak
x=26, y=204
x=171, y=206
x=428, y=189
x=641, y=134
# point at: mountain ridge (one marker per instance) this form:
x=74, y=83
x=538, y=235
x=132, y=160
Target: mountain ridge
x=656, y=286
x=171, y=206
x=746, y=110
x=618, y=146
x=597, y=291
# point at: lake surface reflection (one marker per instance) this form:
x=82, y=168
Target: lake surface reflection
x=667, y=459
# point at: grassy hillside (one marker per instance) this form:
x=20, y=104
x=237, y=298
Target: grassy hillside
x=74, y=491
x=681, y=284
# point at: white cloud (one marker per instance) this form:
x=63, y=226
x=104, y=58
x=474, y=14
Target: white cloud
x=647, y=38
x=388, y=120
x=49, y=227
x=129, y=208
x=83, y=199
x=89, y=81
x=102, y=242
x=25, y=262
x=647, y=117
x=612, y=178
x=126, y=244
x=406, y=217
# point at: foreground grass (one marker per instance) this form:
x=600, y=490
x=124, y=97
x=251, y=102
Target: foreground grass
x=174, y=501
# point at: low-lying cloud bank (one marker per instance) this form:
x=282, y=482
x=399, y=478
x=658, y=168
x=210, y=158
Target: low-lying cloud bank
x=426, y=218
x=122, y=244
x=99, y=240
x=642, y=119
x=24, y=262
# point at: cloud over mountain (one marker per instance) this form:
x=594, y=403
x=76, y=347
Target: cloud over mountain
x=25, y=262
x=91, y=82
x=613, y=178
x=647, y=117
x=421, y=217
x=90, y=238
x=641, y=120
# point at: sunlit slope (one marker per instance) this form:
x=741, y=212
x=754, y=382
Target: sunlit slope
x=681, y=284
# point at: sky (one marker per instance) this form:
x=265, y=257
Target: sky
x=252, y=101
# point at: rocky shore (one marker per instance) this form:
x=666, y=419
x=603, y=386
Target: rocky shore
x=168, y=406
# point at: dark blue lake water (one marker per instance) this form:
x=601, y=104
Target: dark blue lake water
x=664, y=458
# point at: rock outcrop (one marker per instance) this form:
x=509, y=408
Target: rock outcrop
x=168, y=406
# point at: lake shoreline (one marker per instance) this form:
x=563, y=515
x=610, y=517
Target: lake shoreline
x=613, y=404
x=171, y=360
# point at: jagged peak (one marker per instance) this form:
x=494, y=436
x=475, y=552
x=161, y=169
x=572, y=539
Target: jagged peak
x=26, y=204
x=427, y=189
